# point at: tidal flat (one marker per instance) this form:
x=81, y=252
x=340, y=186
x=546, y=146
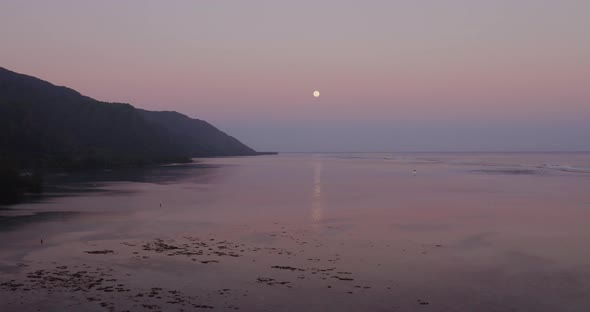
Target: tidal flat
x=307, y=232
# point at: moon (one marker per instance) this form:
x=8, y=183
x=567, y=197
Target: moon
x=316, y=93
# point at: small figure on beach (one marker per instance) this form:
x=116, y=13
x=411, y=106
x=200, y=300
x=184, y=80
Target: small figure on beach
x=41, y=241
x=414, y=172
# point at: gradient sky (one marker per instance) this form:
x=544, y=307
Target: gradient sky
x=393, y=75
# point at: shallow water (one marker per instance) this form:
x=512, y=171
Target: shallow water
x=316, y=232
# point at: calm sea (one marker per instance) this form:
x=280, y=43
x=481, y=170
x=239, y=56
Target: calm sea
x=314, y=232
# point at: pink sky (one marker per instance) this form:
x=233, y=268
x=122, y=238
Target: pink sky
x=250, y=67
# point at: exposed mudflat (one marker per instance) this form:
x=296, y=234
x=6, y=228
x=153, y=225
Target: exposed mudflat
x=305, y=233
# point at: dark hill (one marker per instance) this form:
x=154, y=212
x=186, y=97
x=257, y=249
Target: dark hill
x=43, y=125
x=205, y=140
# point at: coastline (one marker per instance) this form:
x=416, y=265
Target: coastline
x=305, y=233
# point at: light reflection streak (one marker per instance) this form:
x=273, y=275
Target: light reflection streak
x=317, y=210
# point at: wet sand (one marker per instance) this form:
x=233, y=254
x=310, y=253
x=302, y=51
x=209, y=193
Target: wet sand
x=307, y=232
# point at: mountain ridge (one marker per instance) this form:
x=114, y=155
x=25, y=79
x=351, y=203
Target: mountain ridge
x=44, y=125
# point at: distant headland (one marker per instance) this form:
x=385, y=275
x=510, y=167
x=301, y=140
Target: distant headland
x=47, y=126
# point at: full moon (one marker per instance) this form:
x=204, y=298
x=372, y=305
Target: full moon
x=316, y=93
